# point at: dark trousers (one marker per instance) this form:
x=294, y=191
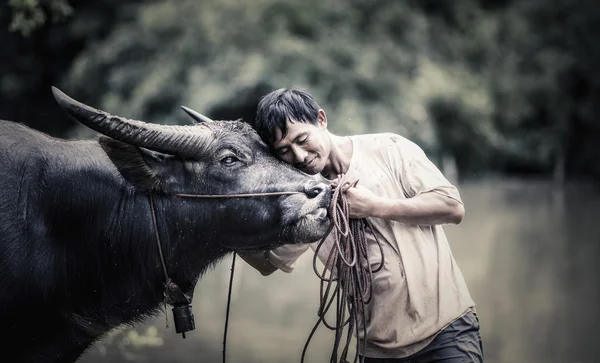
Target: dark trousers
x=460, y=342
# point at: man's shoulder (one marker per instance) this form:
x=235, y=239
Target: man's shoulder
x=386, y=140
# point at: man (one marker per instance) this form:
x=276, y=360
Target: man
x=421, y=309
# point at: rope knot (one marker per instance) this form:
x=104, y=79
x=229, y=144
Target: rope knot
x=174, y=295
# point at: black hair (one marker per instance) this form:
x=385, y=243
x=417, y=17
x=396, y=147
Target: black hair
x=280, y=106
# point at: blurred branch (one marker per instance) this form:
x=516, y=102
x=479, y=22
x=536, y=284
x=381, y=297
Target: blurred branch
x=30, y=15
x=503, y=85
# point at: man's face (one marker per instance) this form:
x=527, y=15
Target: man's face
x=306, y=146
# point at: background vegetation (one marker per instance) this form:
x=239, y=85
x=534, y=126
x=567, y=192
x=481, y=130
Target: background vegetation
x=505, y=92
x=498, y=86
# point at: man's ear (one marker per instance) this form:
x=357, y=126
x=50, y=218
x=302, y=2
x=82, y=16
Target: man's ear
x=140, y=167
x=322, y=119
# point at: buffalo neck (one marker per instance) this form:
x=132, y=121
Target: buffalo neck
x=108, y=244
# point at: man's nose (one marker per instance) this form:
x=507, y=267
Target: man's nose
x=299, y=155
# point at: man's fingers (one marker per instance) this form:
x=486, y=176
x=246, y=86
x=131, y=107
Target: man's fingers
x=334, y=183
x=347, y=185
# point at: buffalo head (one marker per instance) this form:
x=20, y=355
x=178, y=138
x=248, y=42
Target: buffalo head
x=215, y=158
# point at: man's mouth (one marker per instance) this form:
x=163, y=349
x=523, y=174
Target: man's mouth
x=308, y=165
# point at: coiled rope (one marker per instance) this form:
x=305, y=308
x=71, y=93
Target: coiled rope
x=348, y=268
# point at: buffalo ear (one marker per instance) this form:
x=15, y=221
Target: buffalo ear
x=138, y=166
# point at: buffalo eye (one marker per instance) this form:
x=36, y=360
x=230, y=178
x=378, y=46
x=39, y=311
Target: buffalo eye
x=229, y=160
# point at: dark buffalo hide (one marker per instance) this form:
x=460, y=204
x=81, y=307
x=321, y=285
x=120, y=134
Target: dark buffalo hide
x=78, y=251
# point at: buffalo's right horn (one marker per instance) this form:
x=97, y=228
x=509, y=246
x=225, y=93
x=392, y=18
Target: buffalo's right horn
x=186, y=141
x=196, y=115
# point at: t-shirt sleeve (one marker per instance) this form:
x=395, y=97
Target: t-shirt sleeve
x=286, y=257
x=415, y=172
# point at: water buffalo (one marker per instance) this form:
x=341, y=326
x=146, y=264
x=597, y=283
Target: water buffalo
x=78, y=238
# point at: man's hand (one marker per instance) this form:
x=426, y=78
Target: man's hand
x=429, y=208
x=361, y=201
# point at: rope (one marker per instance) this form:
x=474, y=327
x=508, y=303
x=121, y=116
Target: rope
x=228, y=305
x=349, y=258
x=160, y=252
x=234, y=195
x=153, y=210
x=173, y=293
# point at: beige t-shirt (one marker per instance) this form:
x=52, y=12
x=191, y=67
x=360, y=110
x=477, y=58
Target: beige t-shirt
x=420, y=289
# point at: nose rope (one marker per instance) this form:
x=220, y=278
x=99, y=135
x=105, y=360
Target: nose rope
x=183, y=195
x=234, y=195
x=173, y=293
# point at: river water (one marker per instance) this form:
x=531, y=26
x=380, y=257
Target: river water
x=530, y=254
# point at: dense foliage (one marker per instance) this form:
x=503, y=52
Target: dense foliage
x=500, y=86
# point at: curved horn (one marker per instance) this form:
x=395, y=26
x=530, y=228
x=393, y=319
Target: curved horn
x=196, y=115
x=175, y=140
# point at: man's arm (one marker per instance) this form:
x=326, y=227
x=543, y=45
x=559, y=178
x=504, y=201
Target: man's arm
x=259, y=261
x=427, y=208
x=431, y=198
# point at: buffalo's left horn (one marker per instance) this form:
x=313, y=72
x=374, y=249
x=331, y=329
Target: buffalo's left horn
x=169, y=139
x=196, y=115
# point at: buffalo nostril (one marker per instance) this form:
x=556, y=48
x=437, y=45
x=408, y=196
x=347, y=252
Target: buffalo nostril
x=313, y=192
x=313, y=189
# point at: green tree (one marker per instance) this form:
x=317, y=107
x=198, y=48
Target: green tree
x=502, y=86
x=29, y=15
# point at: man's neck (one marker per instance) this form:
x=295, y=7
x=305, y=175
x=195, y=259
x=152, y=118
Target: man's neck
x=339, y=157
